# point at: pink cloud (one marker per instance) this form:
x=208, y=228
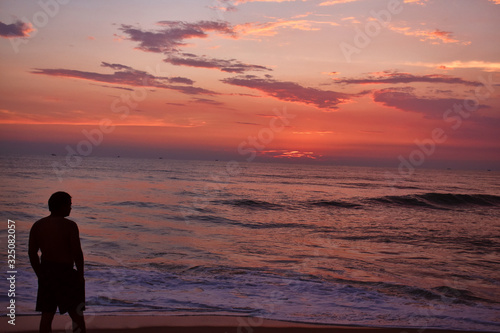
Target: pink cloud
x=290, y=154
x=173, y=34
x=224, y=65
x=389, y=77
x=335, y=2
x=293, y=92
x=15, y=30
x=404, y=99
x=237, y=2
x=435, y=36
x=271, y=28
x=171, y=38
x=125, y=75
x=207, y=101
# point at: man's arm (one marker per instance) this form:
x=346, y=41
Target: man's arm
x=76, y=250
x=33, y=247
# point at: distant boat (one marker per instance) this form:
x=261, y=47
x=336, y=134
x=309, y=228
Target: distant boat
x=53, y=154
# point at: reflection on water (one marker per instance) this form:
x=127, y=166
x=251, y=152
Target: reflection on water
x=318, y=244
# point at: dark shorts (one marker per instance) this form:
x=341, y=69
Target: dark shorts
x=60, y=287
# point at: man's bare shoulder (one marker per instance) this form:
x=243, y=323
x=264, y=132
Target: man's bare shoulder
x=52, y=220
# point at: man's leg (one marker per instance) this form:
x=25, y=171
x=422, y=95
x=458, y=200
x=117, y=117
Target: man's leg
x=46, y=322
x=78, y=321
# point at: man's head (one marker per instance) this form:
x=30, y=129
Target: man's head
x=60, y=204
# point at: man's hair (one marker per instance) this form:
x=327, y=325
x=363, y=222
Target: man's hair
x=58, y=200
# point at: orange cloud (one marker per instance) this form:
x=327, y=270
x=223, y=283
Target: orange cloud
x=290, y=154
x=434, y=36
x=15, y=30
x=484, y=65
x=417, y=2
x=270, y=28
x=335, y=2
x=237, y=2
x=352, y=19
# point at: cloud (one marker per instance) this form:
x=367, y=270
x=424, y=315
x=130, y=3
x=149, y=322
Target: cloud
x=335, y=2
x=484, y=65
x=115, y=66
x=389, y=77
x=246, y=123
x=292, y=92
x=172, y=36
x=125, y=75
x=290, y=154
x=176, y=104
x=404, y=99
x=352, y=19
x=112, y=87
x=223, y=5
x=230, y=5
x=230, y=66
x=182, y=80
x=417, y=2
x=435, y=36
x=15, y=30
x=270, y=28
x=207, y=101
x=237, y=2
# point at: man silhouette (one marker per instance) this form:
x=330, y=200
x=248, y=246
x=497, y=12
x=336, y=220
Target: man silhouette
x=59, y=285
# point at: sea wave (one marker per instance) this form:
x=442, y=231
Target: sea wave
x=440, y=200
x=333, y=203
x=432, y=200
x=139, y=204
x=249, y=203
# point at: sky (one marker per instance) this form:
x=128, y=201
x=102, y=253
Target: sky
x=408, y=83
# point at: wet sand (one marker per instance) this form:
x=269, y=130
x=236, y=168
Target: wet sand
x=194, y=324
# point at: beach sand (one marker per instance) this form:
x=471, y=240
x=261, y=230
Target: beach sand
x=194, y=324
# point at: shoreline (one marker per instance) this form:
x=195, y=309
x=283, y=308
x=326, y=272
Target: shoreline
x=199, y=323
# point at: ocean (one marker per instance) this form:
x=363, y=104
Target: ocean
x=305, y=243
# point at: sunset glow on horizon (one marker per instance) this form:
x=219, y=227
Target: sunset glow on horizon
x=362, y=82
